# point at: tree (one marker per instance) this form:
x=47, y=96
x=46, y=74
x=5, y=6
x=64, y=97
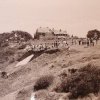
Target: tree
x=23, y=34
x=94, y=34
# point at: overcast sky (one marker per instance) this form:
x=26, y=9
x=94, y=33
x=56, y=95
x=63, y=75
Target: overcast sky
x=75, y=16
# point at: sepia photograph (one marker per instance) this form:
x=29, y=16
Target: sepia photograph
x=49, y=49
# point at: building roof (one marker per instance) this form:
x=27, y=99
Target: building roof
x=44, y=30
x=48, y=30
x=59, y=32
x=61, y=37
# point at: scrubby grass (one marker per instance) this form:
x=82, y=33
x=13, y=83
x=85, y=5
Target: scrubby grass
x=43, y=82
x=5, y=54
x=81, y=83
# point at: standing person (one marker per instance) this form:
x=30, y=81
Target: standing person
x=56, y=44
x=33, y=47
x=64, y=43
x=72, y=39
x=82, y=42
x=68, y=48
x=79, y=42
x=96, y=37
x=75, y=41
x=87, y=42
x=91, y=42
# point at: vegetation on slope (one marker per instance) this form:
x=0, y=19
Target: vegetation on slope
x=83, y=82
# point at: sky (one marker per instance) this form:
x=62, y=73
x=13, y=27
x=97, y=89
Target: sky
x=77, y=17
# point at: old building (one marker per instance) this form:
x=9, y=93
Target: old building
x=61, y=35
x=44, y=33
x=50, y=38
x=50, y=34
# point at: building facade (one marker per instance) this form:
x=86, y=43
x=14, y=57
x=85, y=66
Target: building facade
x=50, y=38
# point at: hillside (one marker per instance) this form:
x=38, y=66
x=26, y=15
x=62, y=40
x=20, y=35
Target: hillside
x=21, y=82
x=12, y=46
x=14, y=37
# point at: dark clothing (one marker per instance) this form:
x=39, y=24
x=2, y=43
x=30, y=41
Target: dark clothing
x=80, y=42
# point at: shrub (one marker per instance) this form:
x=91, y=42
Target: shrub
x=43, y=82
x=81, y=83
x=62, y=87
x=4, y=74
x=63, y=75
x=12, y=60
x=22, y=46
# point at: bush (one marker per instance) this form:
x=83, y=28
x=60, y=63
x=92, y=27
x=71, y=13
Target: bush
x=4, y=75
x=12, y=60
x=22, y=47
x=81, y=83
x=43, y=82
x=62, y=87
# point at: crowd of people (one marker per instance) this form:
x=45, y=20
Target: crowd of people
x=88, y=42
x=46, y=46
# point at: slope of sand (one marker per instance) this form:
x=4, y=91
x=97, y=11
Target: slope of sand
x=25, y=77
x=11, y=96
